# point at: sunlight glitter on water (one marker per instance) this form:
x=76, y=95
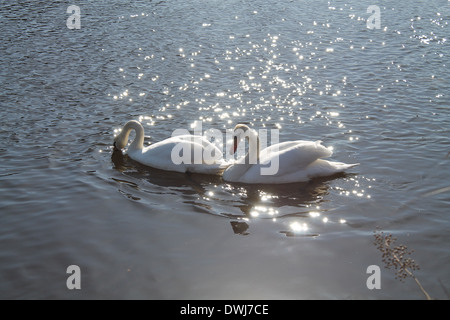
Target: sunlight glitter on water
x=298, y=227
x=315, y=71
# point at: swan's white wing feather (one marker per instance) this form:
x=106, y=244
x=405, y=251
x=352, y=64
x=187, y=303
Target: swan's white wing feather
x=297, y=161
x=294, y=155
x=159, y=155
x=198, y=139
x=319, y=168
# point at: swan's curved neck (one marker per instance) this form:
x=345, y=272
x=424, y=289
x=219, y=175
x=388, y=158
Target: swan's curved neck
x=240, y=168
x=252, y=156
x=138, y=142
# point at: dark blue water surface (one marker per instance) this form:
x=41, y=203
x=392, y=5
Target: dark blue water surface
x=311, y=69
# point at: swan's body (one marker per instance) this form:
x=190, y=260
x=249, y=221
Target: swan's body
x=298, y=161
x=160, y=154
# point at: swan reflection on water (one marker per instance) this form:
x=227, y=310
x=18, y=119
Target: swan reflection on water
x=241, y=203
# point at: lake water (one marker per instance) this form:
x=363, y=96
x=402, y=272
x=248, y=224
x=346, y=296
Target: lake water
x=312, y=69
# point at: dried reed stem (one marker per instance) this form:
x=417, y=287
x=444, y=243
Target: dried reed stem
x=396, y=257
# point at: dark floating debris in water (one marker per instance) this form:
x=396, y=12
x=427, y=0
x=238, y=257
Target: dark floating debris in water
x=240, y=227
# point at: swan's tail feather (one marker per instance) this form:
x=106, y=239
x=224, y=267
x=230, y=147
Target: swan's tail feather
x=321, y=168
x=344, y=166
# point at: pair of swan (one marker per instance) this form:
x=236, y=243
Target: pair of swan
x=296, y=161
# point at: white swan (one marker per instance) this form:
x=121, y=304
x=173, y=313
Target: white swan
x=297, y=161
x=160, y=154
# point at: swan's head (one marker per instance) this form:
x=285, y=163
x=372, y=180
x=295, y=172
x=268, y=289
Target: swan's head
x=240, y=132
x=121, y=140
